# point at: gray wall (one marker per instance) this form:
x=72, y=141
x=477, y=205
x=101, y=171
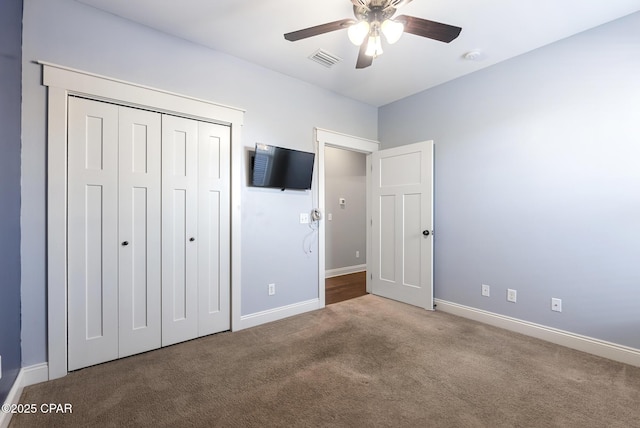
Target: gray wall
x=537, y=182
x=280, y=111
x=345, y=177
x=10, y=66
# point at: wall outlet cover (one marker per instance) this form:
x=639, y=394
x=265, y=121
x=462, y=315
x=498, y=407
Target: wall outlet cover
x=511, y=295
x=486, y=290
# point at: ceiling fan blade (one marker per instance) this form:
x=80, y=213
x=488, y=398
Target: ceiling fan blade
x=318, y=29
x=431, y=29
x=363, y=61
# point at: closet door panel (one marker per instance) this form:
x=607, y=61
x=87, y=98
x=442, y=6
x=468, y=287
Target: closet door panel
x=139, y=231
x=92, y=286
x=179, y=229
x=213, y=228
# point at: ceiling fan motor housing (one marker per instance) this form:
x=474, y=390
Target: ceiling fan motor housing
x=373, y=14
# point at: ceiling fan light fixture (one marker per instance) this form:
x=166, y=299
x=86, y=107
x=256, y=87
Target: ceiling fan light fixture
x=374, y=46
x=392, y=30
x=357, y=32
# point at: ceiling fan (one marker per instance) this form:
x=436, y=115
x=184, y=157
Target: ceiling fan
x=375, y=17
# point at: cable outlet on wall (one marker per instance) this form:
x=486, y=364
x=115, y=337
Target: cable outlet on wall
x=486, y=290
x=556, y=305
x=511, y=295
x=272, y=289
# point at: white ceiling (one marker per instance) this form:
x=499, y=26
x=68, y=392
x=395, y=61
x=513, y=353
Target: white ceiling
x=253, y=30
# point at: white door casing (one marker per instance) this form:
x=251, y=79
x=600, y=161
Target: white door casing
x=326, y=138
x=402, y=209
x=62, y=83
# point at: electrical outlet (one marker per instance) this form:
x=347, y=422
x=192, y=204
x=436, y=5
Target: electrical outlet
x=357, y=254
x=272, y=289
x=556, y=305
x=511, y=295
x=304, y=218
x=486, y=290
x=0, y=366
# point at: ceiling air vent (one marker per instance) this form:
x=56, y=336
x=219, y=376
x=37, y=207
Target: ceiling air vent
x=325, y=58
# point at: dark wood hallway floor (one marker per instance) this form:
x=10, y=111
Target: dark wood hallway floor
x=345, y=287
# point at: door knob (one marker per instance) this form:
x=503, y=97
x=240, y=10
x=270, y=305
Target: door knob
x=192, y=239
x=426, y=232
x=125, y=243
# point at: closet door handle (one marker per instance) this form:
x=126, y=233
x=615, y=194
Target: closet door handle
x=125, y=243
x=192, y=239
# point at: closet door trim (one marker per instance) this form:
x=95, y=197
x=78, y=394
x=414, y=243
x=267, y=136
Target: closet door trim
x=62, y=82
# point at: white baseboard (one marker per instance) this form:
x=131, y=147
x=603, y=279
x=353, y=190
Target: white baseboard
x=276, y=314
x=329, y=273
x=587, y=344
x=26, y=376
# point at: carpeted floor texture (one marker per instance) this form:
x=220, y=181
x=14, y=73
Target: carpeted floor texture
x=366, y=362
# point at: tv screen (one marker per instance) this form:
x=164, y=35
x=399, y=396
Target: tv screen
x=281, y=168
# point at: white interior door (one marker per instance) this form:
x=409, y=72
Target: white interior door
x=196, y=228
x=139, y=231
x=214, y=227
x=148, y=231
x=402, y=224
x=179, y=229
x=114, y=232
x=92, y=233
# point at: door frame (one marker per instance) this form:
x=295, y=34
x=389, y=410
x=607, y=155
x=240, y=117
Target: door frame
x=64, y=81
x=326, y=138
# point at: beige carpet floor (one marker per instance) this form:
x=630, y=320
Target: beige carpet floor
x=367, y=362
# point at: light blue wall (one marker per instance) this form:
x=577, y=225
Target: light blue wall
x=537, y=182
x=279, y=110
x=345, y=177
x=10, y=65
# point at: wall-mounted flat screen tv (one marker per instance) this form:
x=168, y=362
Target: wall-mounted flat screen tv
x=281, y=168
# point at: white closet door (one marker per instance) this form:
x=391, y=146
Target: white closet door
x=179, y=229
x=213, y=228
x=92, y=233
x=139, y=231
